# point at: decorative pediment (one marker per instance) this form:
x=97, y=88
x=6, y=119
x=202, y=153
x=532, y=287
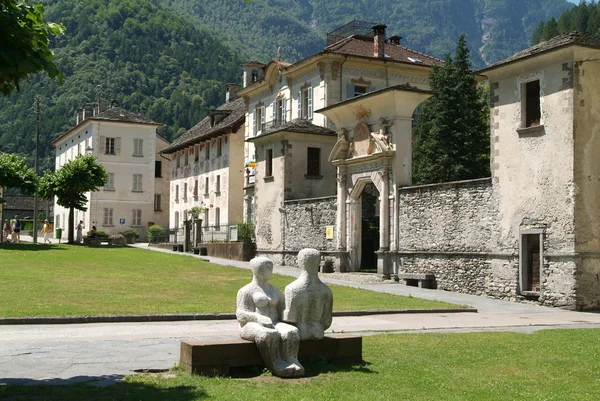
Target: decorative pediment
x=341, y=147
x=361, y=81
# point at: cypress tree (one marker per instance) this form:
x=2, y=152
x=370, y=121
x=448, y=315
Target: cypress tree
x=537, y=34
x=550, y=30
x=451, y=137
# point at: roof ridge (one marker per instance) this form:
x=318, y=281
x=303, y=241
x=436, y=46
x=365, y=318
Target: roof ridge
x=416, y=51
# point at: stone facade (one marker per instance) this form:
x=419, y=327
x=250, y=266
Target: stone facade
x=303, y=226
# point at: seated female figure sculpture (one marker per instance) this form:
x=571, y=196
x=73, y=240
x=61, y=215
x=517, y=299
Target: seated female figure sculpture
x=259, y=311
x=308, y=301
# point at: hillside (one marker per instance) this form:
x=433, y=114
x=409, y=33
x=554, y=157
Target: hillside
x=495, y=28
x=584, y=18
x=130, y=50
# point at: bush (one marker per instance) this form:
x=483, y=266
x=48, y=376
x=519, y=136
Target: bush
x=130, y=233
x=101, y=234
x=156, y=234
x=245, y=231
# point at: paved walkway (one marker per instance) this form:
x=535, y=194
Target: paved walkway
x=105, y=352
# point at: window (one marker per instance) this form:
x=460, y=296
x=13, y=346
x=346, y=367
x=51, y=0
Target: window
x=531, y=111
x=313, y=162
x=138, y=147
x=219, y=146
x=109, y=147
x=185, y=191
x=137, y=217
x=157, y=202
x=217, y=217
x=259, y=119
x=108, y=216
x=176, y=193
x=305, y=106
x=359, y=90
x=110, y=182
x=206, y=218
x=280, y=111
x=178, y=160
x=206, y=186
x=531, y=261
x=196, y=189
x=137, y=183
x=254, y=75
x=269, y=163
x=218, y=186
x=186, y=153
x=196, y=153
x=207, y=151
x=157, y=169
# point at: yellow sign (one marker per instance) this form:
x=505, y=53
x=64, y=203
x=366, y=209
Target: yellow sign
x=329, y=230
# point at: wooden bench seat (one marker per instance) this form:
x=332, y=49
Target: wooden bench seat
x=418, y=280
x=215, y=358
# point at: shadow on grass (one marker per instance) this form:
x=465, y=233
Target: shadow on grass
x=94, y=388
x=313, y=368
x=28, y=246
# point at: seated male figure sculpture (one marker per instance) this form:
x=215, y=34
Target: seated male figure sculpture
x=259, y=311
x=309, y=302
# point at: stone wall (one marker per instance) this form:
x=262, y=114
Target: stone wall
x=303, y=226
x=457, y=216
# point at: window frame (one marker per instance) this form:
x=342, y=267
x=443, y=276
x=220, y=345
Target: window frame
x=137, y=183
x=158, y=202
x=268, y=163
x=110, y=145
x=313, y=162
x=525, y=287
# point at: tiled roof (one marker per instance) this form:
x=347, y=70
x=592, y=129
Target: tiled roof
x=298, y=125
x=22, y=202
x=120, y=114
x=112, y=114
x=362, y=46
x=235, y=111
x=556, y=42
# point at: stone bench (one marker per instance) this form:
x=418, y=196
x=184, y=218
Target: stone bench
x=418, y=280
x=97, y=241
x=216, y=358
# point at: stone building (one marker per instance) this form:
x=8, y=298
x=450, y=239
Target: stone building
x=207, y=168
x=128, y=147
x=289, y=142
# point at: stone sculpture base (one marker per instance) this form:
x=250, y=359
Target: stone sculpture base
x=215, y=358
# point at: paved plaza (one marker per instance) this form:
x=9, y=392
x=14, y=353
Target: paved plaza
x=102, y=353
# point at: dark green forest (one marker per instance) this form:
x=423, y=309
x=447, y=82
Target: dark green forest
x=173, y=57
x=584, y=18
x=130, y=50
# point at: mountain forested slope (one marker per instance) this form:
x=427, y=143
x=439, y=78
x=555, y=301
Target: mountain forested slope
x=130, y=50
x=584, y=18
x=495, y=28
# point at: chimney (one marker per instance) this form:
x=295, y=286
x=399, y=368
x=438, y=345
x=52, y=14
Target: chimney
x=253, y=71
x=395, y=40
x=379, y=41
x=79, y=116
x=230, y=92
x=87, y=112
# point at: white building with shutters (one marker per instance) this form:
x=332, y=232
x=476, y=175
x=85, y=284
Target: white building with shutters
x=127, y=145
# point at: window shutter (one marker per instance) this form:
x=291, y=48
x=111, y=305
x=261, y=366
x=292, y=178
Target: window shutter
x=310, y=104
x=349, y=91
x=274, y=105
x=102, y=144
x=262, y=117
x=283, y=110
x=135, y=146
x=300, y=105
x=134, y=216
x=141, y=147
x=117, y=145
x=251, y=128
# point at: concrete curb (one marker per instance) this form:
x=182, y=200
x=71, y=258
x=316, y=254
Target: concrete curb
x=203, y=316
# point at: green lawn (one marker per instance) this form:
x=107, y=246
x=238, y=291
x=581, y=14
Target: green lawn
x=63, y=280
x=548, y=365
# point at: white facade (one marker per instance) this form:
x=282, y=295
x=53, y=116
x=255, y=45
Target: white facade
x=136, y=194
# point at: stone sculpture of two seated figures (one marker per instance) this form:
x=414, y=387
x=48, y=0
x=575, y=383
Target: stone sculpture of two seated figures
x=277, y=323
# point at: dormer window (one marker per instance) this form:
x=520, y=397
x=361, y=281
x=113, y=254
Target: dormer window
x=254, y=75
x=280, y=111
x=305, y=103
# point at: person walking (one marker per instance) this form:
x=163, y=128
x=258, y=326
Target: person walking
x=16, y=227
x=6, y=230
x=47, y=229
x=79, y=232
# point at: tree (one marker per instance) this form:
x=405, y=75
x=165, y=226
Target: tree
x=14, y=173
x=24, y=40
x=71, y=182
x=550, y=30
x=451, y=137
